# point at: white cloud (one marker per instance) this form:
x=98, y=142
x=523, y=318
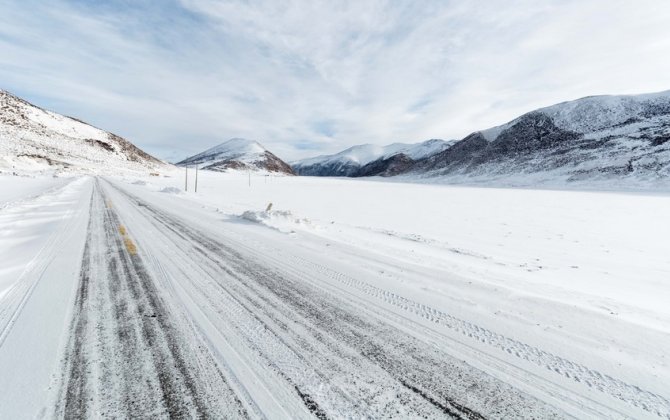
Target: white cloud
x=308, y=77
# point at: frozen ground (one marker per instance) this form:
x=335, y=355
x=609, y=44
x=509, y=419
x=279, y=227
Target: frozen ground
x=347, y=298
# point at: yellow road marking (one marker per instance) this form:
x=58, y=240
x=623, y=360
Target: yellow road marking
x=130, y=245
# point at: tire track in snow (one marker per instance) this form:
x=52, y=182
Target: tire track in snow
x=13, y=301
x=427, y=373
x=630, y=394
x=127, y=355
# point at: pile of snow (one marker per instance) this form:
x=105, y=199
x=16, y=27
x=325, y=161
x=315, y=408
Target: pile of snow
x=170, y=190
x=282, y=220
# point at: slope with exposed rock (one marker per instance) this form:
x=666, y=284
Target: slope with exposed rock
x=622, y=139
x=613, y=140
x=35, y=139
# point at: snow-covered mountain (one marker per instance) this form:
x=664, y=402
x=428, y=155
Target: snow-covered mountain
x=238, y=153
x=620, y=139
x=35, y=139
x=369, y=159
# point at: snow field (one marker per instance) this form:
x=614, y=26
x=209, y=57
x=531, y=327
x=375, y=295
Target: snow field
x=560, y=294
x=583, y=275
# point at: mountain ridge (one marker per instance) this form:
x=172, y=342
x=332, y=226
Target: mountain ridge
x=615, y=138
x=351, y=161
x=238, y=153
x=34, y=138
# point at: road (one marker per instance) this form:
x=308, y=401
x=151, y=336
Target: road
x=176, y=318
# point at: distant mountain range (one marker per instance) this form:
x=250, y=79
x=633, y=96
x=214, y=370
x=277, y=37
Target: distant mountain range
x=35, y=139
x=241, y=154
x=618, y=139
x=608, y=138
x=369, y=159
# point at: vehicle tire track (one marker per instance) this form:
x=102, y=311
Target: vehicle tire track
x=425, y=372
x=628, y=393
x=128, y=356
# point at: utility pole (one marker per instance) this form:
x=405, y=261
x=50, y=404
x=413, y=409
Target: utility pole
x=186, y=180
x=196, y=178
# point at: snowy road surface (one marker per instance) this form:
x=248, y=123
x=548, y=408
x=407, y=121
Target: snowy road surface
x=138, y=308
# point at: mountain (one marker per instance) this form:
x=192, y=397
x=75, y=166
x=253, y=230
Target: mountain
x=32, y=138
x=622, y=139
x=238, y=154
x=370, y=159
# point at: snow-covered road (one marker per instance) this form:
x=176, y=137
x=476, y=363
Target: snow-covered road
x=170, y=311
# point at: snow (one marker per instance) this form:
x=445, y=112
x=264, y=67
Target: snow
x=562, y=294
x=41, y=241
x=594, y=113
x=366, y=153
x=14, y=189
x=563, y=270
x=600, y=232
x=490, y=134
x=597, y=112
x=427, y=148
x=168, y=190
x=36, y=141
x=243, y=150
x=282, y=220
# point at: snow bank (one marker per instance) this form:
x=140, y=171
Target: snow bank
x=170, y=190
x=282, y=220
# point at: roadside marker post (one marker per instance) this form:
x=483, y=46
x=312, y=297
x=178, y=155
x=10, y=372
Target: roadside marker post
x=196, y=178
x=186, y=181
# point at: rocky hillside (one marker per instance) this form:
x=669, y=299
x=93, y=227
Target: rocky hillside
x=603, y=138
x=240, y=154
x=618, y=140
x=32, y=138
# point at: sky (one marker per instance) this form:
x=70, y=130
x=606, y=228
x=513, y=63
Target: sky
x=305, y=78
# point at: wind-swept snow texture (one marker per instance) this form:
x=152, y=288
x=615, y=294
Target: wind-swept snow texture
x=332, y=303
x=41, y=242
x=36, y=140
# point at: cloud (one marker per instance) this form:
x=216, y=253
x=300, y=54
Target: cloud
x=309, y=77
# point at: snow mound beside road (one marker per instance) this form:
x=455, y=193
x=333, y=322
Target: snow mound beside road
x=171, y=190
x=282, y=220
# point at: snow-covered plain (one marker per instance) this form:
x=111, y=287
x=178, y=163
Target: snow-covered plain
x=584, y=274
x=560, y=294
x=13, y=189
